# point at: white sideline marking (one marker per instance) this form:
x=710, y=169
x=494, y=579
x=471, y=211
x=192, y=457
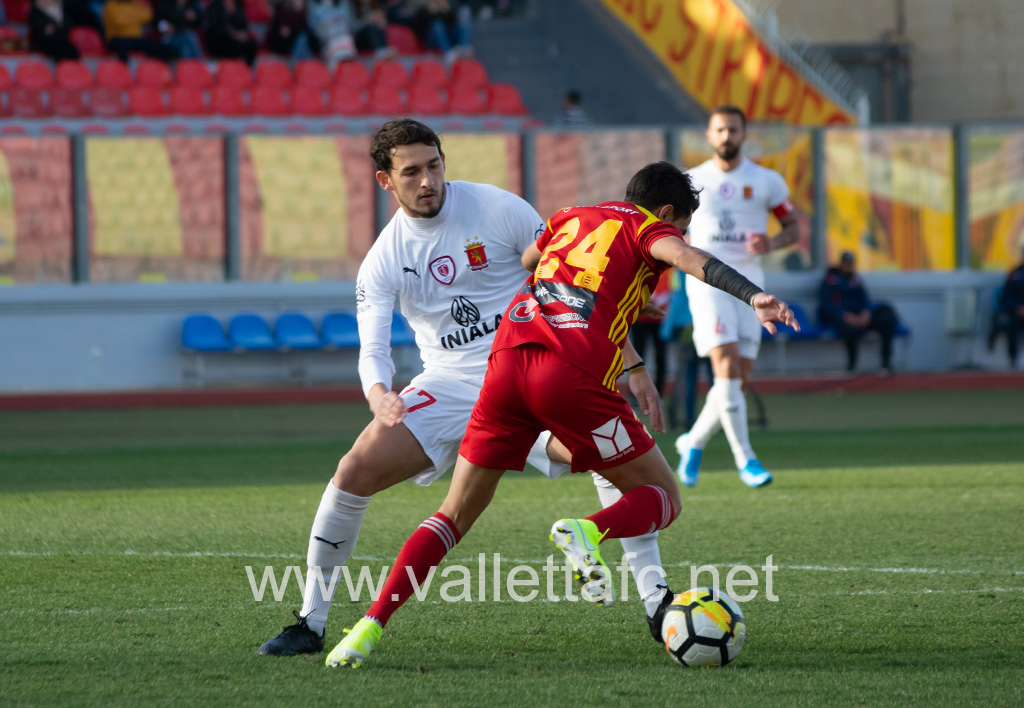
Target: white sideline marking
x=522, y=561
x=926, y=591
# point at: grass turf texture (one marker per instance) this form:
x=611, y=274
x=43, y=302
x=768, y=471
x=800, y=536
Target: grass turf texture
x=894, y=520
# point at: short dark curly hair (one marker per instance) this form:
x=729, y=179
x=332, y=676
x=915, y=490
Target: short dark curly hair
x=661, y=183
x=396, y=133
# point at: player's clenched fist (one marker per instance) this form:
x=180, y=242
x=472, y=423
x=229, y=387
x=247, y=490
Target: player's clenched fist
x=391, y=409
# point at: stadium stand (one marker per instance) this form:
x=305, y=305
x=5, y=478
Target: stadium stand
x=149, y=96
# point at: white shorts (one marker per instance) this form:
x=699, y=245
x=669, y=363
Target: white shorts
x=719, y=318
x=439, y=407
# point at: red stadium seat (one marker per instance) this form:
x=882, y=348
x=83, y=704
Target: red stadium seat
x=73, y=75
x=469, y=72
x=176, y=129
x=54, y=129
x=390, y=72
x=17, y=10
x=228, y=101
x=5, y=78
x=349, y=103
x=312, y=73
x=193, y=73
x=111, y=73
x=427, y=100
x=309, y=101
x=429, y=72
x=187, y=101
x=107, y=102
x=153, y=73
x=466, y=100
x=275, y=74
x=403, y=40
x=88, y=41
x=270, y=101
x=95, y=129
x=352, y=75
x=505, y=99
x=69, y=103
x=387, y=100
x=257, y=10
x=13, y=130
x=136, y=129
x=146, y=101
x=234, y=73
x=32, y=74
x=29, y=103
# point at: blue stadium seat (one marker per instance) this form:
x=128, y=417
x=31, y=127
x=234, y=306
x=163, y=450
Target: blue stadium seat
x=203, y=333
x=251, y=332
x=340, y=329
x=808, y=331
x=401, y=333
x=296, y=331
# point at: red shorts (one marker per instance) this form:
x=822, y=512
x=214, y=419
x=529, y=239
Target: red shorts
x=530, y=389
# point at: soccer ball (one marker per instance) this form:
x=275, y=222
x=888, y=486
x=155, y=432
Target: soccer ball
x=702, y=631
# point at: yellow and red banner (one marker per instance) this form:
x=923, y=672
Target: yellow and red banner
x=36, y=231
x=718, y=57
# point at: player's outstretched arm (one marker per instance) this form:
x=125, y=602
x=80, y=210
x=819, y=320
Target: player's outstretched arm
x=712, y=271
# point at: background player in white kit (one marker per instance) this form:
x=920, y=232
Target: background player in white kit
x=452, y=257
x=731, y=223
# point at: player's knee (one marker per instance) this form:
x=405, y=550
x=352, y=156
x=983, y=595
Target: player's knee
x=351, y=476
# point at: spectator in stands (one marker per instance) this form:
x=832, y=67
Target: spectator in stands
x=573, y=114
x=84, y=13
x=177, y=22
x=442, y=27
x=227, y=32
x=370, y=28
x=289, y=34
x=332, y=20
x=843, y=304
x=48, y=32
x=125, y=22
x=1009, y=315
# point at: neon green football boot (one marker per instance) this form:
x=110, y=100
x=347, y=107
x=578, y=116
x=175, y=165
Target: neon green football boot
x=356, y=647
x=578, y=539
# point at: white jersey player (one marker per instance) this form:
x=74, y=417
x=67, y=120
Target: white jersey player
x=451, y=256
x=731, y=223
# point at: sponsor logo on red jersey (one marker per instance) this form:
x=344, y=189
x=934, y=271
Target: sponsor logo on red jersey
x=477, y=256
x=611, y=439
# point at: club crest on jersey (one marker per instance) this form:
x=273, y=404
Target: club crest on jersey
x=443, y=270
x=726, y=190
x=477, y=257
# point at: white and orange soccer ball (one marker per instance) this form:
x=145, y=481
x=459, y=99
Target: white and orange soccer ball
x=700, y=630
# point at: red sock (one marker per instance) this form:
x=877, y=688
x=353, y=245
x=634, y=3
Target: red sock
x=641, y=510
x=424, y=550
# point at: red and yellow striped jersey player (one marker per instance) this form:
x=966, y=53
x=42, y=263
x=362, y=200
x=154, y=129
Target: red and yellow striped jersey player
x=555, y=360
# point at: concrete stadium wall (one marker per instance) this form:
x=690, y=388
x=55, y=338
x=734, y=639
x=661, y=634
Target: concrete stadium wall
x=128, y=337
x=966, y=58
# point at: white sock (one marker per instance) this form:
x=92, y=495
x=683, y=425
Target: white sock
x=733, y=407
x=337, y=523
x=645, y=564
x=708, y=422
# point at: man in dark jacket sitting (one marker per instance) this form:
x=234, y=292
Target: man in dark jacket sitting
x=844, y=305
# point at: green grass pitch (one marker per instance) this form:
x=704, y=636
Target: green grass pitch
x=895, y=523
